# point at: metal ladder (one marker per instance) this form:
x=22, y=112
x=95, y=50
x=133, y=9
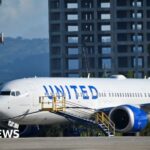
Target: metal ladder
x=59, y=107
x=107, y=124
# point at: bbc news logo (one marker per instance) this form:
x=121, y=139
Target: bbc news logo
x=12, y=133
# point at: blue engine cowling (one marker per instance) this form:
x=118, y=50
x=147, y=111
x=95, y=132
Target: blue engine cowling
x=128, y=118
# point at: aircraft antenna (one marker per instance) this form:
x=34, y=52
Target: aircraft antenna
x=89, y=75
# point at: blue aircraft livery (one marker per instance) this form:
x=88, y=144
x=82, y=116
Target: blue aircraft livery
x=71, y=91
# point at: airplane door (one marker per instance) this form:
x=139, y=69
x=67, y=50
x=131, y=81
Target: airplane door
x=34, y=98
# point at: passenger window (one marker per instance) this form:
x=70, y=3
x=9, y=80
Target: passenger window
x=99, y=94
x=13, y=93
x=105, y=95
x=112, y=94
x=123, y=95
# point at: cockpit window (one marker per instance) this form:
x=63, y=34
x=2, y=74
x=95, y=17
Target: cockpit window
x=13, y=93
x=5, y=93
x=8, y=93
x=18, y=93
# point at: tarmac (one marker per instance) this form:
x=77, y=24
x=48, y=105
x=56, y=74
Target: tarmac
x=77, y=143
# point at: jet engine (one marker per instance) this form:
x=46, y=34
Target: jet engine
x=129, y=119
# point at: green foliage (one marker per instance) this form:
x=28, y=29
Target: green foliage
x=146, y=131
x=130, y=74
x=77, y=129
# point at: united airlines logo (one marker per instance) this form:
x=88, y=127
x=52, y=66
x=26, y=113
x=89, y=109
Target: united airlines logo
x=71, y=91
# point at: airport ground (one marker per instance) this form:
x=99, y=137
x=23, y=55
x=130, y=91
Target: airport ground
x=77, y=143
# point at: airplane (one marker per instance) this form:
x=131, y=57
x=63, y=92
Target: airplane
x=1, y=38
x=126, y=101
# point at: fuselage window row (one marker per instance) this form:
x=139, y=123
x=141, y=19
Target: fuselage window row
x=104, y=94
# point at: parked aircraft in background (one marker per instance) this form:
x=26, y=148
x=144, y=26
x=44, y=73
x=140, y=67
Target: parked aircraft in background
x=1, y=37
x=29, y=101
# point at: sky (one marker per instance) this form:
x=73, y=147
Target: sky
x=24, y=18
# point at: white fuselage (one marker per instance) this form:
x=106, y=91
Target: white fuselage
x=92, y=93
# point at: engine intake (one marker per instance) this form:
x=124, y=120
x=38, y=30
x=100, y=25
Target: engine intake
x=128, y=118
